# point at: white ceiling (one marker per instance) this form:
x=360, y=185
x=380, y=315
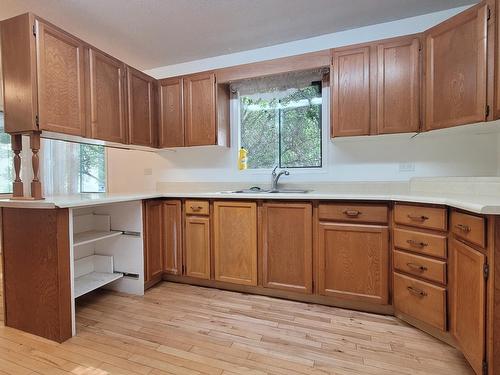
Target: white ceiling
x=153, y=33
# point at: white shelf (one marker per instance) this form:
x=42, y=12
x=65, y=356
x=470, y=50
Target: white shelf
x=92, y=236
x=91, y=281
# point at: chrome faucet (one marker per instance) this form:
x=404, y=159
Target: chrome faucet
x=276, y=176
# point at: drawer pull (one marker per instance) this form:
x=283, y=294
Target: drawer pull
x=416, y=292
x=196, y=208
x=352, y=213
x=420, y=218
x=417, y=267
x=414, y=243
x=463, y=228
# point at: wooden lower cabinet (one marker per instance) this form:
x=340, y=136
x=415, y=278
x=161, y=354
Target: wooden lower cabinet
x=172, y=236
x=353, y=262
x=197, y=247
x=468, y=301
x=153, y=247
x=287, y=246
x=235, y=242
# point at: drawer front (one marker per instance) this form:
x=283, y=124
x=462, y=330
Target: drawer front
x=367, y=213
x=422, y=243
x=421, y=300
x=427, y=268
x=469, y=227
x=419, y=216
x=197, y=207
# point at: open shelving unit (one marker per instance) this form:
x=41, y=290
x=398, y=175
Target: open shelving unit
x=93, y=272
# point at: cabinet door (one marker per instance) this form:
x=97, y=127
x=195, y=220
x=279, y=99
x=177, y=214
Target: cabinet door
x=141, y=116
x=468, y=301
x=199, y=106
x=171, y=113
x=106, y=98
x=60, y=69
x=350, y=82
x=172, y=234
x=287, y=246
x=153, y=260
x=354, y=262
x=235, y=242
x=455, y=70
x=197, y=247
x=398, y=85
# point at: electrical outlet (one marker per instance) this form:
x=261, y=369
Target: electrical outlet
x=407, y=167
x=148, y=171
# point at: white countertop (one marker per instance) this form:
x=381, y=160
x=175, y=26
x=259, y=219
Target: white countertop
x=477, y=195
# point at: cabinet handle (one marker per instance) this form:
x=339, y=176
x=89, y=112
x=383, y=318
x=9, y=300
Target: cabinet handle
x=420, y=218
x=417, y=244
x=416, y=292
x=196, y=208
x=417, y=267
x=352, y=213
x=463, y=227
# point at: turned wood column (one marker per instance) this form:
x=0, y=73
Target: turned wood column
x=36, y=185
x=17, y=147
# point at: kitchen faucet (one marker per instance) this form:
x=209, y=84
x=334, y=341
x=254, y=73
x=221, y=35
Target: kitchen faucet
x=276, y=176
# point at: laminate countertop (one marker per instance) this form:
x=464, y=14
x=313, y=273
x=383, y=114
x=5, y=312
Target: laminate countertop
x=478, y=195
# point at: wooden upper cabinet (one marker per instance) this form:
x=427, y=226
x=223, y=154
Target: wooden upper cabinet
x=153, y=259
x=200, y=109
x=353, y=262
x=398, y=86
x=172, y=236
x=171, y=112
x=455, y=70
x=350, y=85
x=61, y=92
x=106, y=97
x=468, y=301
x=197, y=247
x=287, y=246
x=235, y=242
x=141, y=108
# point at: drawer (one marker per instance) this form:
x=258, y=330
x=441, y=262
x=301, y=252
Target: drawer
x=194, y=207
x=427, y=268
x=420, y=216
x=368, y=213
x=419, y=242
x=421, y=300
x=469, y=227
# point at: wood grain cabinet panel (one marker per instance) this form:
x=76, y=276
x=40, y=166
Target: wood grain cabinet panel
x=420, y=242
x=468, y=301
x=171, y=112
x=197, y=247
x=455, y=70
x=200, y=110
x=106, y=97
x=61, y=92
x=287, y=246
x=235, y=242
x=350, y=83
x=153, y=259
x=424, y=267
x=435, y=218
x=471, y=228
x=398, y=86
x=353, y=262
x=172, y=236
x=141, y=104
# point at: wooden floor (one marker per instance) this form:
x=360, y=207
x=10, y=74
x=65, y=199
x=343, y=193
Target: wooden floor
x=182, y=329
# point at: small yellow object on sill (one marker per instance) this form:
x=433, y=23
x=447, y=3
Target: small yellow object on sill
x=242, y=159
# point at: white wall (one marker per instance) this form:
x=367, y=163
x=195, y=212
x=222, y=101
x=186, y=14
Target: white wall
x=463, y=151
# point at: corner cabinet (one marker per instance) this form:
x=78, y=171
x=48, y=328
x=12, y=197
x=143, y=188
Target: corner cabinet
x=106, y=97
x=141, y=108
x=235, y=242
x=286, y=233
x=455, y=70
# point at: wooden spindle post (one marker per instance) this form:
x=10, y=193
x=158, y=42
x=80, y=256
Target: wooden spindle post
x=36, y=185
x=17, y=147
